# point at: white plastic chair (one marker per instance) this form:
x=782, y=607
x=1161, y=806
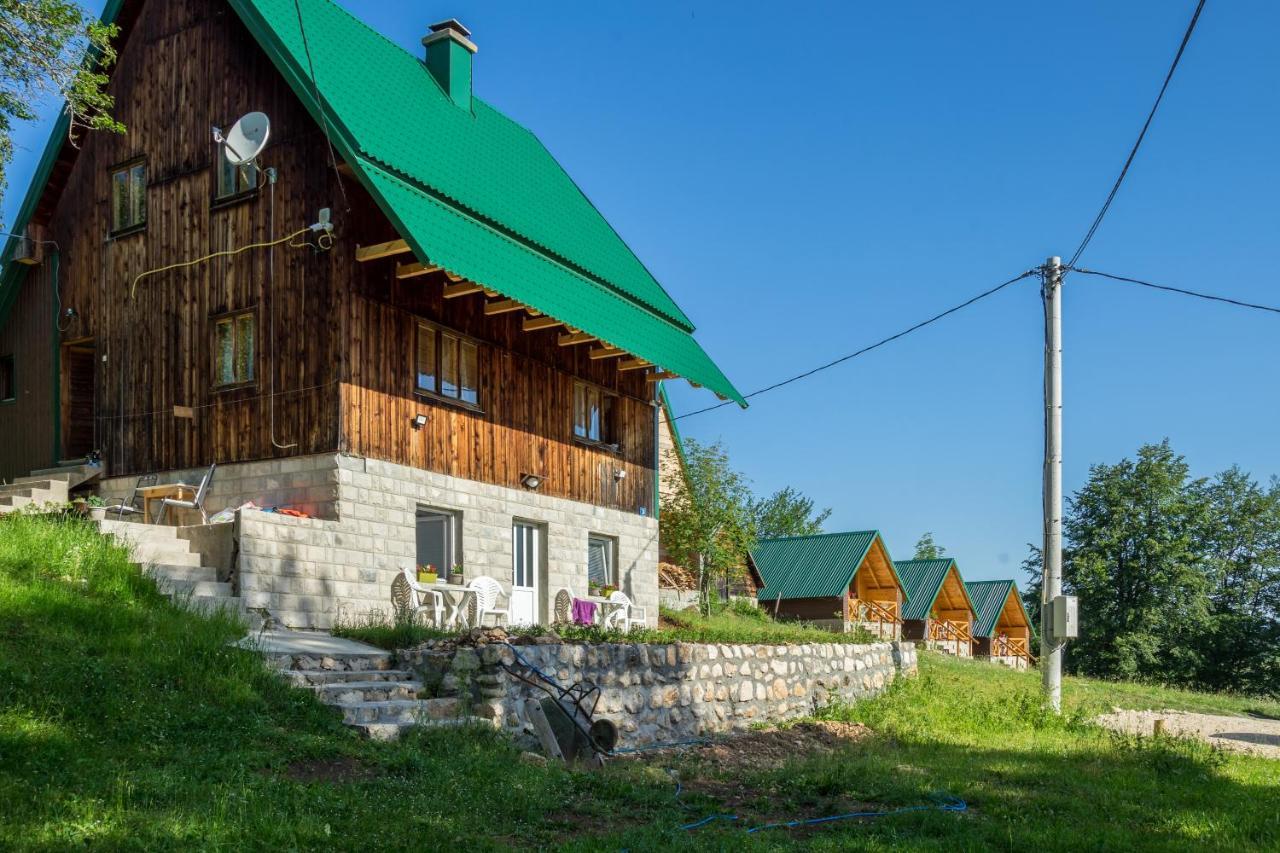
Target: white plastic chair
x=409, y=596
x=629, y=615
x=196, y=503
x=488, y=592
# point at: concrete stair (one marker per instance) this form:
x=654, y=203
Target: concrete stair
x=165, y=556
x=72, y=473
x=28, y=491
x=376, y=700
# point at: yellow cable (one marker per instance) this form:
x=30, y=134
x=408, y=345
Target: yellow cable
x=134, y=288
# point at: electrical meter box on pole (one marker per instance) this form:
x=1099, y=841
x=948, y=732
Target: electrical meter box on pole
x=1065, y=624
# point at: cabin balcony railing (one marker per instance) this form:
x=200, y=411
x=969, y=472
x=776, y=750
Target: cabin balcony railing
x=880, y=617
x=1011, y=647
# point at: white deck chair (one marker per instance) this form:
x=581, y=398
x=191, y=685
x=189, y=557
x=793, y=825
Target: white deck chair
x=488, y=593
x=629, y=616
x=410, y=597
x=196, y=503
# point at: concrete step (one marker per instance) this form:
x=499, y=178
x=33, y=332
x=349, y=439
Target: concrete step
x=73, y=474
x=399, y=710
x=196, y=589
x=318, y=677
x=360, y=692
x=209, y=605
x=163, y=556
x=137, y=531
x=173, y=571
x=393, y=731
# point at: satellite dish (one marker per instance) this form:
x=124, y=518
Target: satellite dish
x=247, y=138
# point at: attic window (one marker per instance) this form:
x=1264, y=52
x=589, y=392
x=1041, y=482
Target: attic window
x=129, y=197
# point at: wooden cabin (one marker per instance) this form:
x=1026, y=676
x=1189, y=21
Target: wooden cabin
x=402, y=319
x=839, y=581
x=939, y=612
x=1002, y=628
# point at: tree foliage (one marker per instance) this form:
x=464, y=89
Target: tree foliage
x=1178, y=578
x=927, y=549
x=787, y=513
x=53, y=48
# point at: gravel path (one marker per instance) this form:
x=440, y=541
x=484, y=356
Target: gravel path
x=1239, y=734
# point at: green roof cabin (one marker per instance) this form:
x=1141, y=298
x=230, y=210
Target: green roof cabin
x=396, y=313
x=838, y=581
x=939, y=612
x=1002, y=629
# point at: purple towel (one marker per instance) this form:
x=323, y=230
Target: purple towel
x=584, y=612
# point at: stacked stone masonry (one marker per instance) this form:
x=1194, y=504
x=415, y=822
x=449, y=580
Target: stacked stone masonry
x=664, y=693
x=312, y=572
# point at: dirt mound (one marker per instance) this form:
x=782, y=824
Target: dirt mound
x=765, y=749
x=1239, y=734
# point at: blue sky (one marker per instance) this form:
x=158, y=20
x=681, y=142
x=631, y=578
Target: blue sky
x=806, y=183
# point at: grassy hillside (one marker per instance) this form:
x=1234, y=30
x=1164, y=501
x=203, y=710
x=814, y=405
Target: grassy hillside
x=127, y=724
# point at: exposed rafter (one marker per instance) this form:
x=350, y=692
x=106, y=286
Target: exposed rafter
x=634, y=364
x=533, y=324
x=464, y=288
x=503, y=306
x=606, y=352
x=381, y=250
x=414, y=269
x=574, y=338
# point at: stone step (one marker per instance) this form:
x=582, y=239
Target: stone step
x=302, y=662
x=173, y=571
x=194, y=588
x=314, y=677
x=399, y=710
x=393, y=731
x=364, y=692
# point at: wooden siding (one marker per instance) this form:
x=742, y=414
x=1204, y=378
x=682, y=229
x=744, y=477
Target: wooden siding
x=26, y=424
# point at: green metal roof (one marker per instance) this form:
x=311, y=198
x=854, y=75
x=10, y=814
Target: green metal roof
x=988, y=599
x=471, y=190
x=923, y=580
x=819, y=566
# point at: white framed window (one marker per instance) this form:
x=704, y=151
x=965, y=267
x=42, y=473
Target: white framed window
x=437, y=537
x=600, y=561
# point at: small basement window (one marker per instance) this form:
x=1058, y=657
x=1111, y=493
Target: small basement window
x=436, y=537
x=129, y=196
x=234, y=345
x=600, y=561
x=593, y=415
x=448, y=366
x=8, y=380
x=233, y=180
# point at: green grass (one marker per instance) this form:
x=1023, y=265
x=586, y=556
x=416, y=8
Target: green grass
x=739, y=622
x=128, y=724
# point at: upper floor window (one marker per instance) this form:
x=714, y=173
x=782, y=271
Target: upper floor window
x=233, y=180
x=8, y=379
x=233, y=336
x=129, y=196
x=448, y=365
x=593, y=415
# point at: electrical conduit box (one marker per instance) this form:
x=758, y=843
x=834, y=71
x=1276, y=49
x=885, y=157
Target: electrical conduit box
x=1065, y=623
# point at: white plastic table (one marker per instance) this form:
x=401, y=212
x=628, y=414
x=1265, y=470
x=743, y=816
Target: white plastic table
x=457, y=603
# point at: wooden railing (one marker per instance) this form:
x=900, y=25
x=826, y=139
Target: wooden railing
x=881, y=614
x=946, y=631
x=1010, y=647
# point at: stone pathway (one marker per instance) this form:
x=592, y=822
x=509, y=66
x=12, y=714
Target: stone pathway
x=1240, y=734
x=376, y=699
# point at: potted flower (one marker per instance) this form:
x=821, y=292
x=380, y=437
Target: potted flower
x=456, y=576
x=427, y=574
x=97, y=508
x=593, y=589
x=607, y=590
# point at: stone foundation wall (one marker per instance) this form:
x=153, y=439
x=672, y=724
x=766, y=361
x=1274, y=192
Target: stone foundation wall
x=662, y=693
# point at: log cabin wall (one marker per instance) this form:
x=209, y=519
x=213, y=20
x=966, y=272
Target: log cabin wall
x=525, y=422
x=26, y=422
x=184, y=66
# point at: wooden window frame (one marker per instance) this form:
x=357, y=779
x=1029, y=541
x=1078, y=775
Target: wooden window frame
x=214, y=321
x=437, y=394
x=220, y=199
x=611, y=443
x=127, y=166
x=9, y=364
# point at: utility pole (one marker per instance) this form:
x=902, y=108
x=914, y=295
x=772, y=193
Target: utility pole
x=1051, y=586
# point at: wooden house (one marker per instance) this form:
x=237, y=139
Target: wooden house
x=939, y=612
x=1002, y=628
x=838, y=581
x=403, y=319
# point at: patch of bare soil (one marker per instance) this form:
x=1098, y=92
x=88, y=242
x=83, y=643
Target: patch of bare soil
x=1251, y=735
x=766, y=749
x=329, y=770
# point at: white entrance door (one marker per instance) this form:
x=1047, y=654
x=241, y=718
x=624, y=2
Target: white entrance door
x=524, y=573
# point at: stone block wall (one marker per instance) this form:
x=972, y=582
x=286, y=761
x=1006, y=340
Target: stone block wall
x=664, y=693
x=311, y=572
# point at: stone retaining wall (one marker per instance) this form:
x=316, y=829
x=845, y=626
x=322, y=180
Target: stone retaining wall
x=662, y=693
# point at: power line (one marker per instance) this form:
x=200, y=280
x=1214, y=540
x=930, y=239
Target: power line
x=867, y=349
x=1181, y=290
x=1186, y=37
x=324, y=118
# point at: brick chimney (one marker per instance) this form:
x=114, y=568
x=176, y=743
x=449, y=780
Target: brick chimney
x=449, y=51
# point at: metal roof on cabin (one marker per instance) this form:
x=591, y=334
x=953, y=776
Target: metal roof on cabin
x=819, y=566
x=923, y=580
x=988, y=599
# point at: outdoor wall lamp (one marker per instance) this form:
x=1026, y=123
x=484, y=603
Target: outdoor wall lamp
x=419, y=421
x=530, y=481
